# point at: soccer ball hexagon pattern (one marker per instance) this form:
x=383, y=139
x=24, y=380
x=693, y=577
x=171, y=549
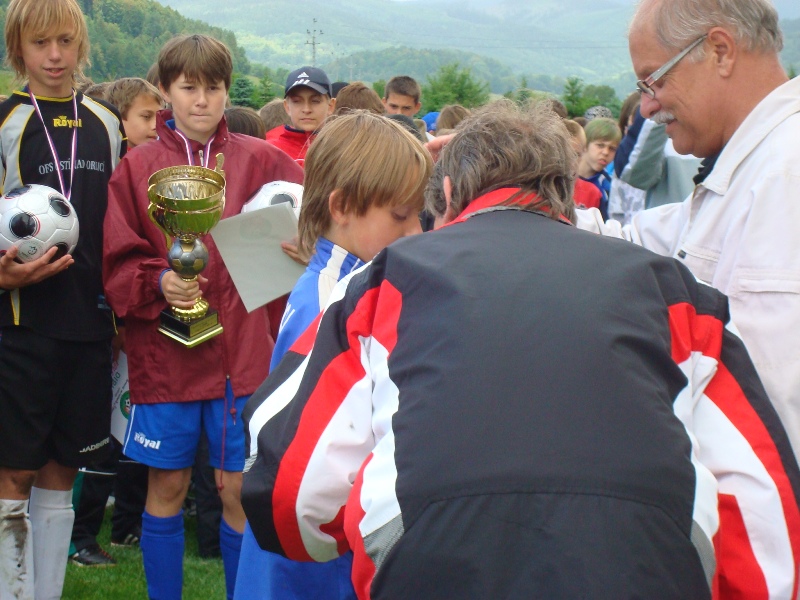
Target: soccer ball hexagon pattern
x=34, y=218
x=276, y=192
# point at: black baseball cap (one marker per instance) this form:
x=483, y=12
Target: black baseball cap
x=309, y=77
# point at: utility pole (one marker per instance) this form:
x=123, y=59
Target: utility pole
x=313, y=43
x=351, y=64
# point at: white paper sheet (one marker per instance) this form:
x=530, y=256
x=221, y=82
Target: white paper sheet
x=250, y=245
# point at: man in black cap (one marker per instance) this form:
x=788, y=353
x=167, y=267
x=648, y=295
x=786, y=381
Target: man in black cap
x=307, y=100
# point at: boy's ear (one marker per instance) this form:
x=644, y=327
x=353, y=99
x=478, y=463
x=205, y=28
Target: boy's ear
x=164, y=93
x=336, y=208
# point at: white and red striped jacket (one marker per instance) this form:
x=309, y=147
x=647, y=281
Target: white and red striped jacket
x=489, y=410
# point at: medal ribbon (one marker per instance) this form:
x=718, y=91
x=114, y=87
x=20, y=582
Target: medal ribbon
x=66, y=193
x=190, y=156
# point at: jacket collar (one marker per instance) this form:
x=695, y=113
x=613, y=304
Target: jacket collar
x=498, y=198
x=175, y=142
x=779, y=105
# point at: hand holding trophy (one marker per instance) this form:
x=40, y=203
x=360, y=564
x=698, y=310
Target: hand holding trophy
x=186, y=202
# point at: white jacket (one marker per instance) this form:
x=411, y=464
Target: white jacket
x=740, y=232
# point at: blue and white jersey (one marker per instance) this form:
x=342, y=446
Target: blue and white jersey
x=329, y=264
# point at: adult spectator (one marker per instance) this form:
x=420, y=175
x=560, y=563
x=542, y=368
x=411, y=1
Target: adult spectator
x=711, y=73
x=437, y=421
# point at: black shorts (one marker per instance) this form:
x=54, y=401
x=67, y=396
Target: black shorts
x=55, y=400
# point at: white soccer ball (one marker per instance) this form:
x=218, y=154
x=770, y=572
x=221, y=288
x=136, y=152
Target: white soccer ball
x=34, y=218
x=276, y=192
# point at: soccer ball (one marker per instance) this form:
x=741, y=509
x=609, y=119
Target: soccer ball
x=34, y=218
x=276, y=192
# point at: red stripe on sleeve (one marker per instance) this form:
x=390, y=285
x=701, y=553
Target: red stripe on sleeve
x=703, y=333
x=726, y=393
x=738, y=575
x=379, y=308
x=363, y=568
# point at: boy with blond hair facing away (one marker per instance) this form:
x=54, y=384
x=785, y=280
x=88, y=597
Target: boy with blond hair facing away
x=402, y=96
x=177, y=391
x=364, y=183
x=138, y=102
x=602, y=138
x=55, y=327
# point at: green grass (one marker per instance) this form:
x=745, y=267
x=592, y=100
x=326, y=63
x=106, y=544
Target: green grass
x=202, y=578
x=7, y=83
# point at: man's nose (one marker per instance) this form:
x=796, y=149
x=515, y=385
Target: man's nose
x=649, y=106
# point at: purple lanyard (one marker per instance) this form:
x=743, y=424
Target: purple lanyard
x=189, y=154
x=67, y=194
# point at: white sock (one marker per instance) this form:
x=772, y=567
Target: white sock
x=16, y=551
x=51, y=520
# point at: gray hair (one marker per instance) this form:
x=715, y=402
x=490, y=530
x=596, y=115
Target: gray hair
x=503, y=145
x=753, y=23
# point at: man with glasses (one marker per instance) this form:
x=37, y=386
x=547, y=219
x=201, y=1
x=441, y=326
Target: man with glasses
x=711, y=72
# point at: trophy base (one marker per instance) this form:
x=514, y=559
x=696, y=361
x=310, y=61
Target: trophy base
x=192, y=333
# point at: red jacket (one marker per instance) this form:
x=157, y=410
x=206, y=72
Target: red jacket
x=134, y=256
x=586, y=195
x=292, y=141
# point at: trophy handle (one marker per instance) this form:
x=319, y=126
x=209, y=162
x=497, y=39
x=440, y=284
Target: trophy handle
x=152, y=212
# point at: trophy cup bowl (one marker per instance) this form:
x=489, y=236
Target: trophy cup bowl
x=185, y=203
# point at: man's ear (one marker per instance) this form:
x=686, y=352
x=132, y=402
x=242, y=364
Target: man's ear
x=723, y=49
x=447, y=187
x=337, y=209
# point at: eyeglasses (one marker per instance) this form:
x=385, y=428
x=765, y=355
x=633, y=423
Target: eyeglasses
x=646, y=85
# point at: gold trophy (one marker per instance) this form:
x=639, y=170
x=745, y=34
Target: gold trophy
x=185, y=203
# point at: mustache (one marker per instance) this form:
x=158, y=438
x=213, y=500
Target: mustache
x=662, y=117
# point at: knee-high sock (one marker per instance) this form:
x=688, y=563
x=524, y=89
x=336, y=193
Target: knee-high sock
x=16, y=551
x=162, y=553
x=51, y=521
x=230, y=545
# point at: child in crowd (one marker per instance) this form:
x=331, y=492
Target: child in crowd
x=176, y=391
x=585, y=194
x=138, y=102
x=365, y=178
x=602, y=138
x=307, y=101
x=402, y=96
x=358, y=96
x=55, y=326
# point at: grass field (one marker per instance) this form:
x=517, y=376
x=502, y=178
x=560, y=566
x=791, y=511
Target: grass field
x=203, y=579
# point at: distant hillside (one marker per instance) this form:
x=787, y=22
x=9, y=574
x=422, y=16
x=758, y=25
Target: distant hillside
x=375, y=39
x=126, y=36
x=553, y=37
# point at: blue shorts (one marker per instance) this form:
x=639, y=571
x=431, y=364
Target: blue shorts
x=165, y=435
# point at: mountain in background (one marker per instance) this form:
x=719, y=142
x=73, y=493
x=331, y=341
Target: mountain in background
x=507, y=39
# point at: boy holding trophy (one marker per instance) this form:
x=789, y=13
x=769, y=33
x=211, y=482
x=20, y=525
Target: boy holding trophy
x=195, y=377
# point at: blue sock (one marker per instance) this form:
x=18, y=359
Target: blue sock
x=162, y=555
x=230, y=545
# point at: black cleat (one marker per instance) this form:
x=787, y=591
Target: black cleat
x=92, y=556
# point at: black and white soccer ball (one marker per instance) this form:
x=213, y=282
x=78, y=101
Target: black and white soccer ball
x=34, y=218
x=276, y=192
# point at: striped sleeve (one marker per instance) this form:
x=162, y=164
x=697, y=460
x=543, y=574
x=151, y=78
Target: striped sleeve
x=313, y=430
x=738, y=439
